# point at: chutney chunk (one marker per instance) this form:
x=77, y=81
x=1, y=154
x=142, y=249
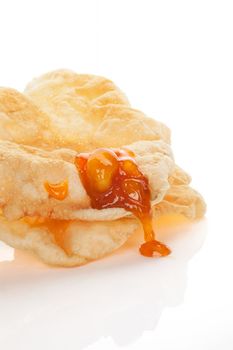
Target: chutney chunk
x=112, y=179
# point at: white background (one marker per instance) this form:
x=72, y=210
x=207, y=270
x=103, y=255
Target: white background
x=174, y=60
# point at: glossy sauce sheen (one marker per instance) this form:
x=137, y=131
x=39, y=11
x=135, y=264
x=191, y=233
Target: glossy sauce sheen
x=112, y=180
x=58, y=191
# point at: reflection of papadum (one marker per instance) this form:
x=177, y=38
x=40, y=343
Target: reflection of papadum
x=92, y=301
x=41, y=131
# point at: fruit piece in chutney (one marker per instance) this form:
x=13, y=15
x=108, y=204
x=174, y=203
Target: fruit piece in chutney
x=112, y=180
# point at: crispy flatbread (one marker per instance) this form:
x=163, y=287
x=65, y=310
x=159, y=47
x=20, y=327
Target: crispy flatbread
x=86, y=111
x=23, y=193
x=85, y=241
x=41, y=131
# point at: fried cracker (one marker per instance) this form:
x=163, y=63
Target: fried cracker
x=60, y=114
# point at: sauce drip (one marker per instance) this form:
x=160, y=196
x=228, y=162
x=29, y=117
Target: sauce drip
x=58, y=191
x=112, y=180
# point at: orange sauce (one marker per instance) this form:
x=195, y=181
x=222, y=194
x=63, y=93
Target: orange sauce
x=58, y=228
x=112, y=180
x=58, y=191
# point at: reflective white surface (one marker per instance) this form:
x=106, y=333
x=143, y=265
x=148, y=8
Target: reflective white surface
x=183, y=301
x=116, y=299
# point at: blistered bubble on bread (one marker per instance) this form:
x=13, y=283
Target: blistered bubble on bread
x=22, y=121
x=86, y=111
x=180, y=198
x=179, y=177
x=41, y=131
